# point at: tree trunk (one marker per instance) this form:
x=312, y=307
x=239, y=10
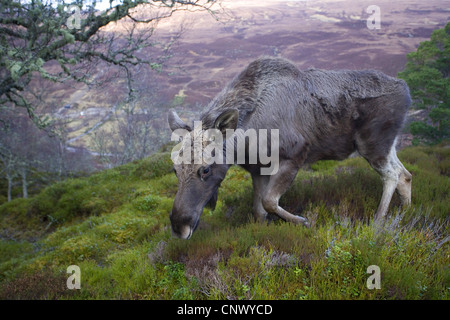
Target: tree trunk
x=24, y=183
x=9, y=187
x=62, y=169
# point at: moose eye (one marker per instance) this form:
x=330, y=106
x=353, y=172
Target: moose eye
x=204, y=172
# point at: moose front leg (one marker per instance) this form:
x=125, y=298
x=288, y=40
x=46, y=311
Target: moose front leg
x=277, y=186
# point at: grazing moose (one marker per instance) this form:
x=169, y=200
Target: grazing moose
x=319, y=115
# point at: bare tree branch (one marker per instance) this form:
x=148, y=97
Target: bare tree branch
x=34, y=35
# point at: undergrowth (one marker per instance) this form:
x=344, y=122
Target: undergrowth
x=114, y=225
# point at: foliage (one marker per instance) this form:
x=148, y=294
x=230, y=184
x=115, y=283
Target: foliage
x=39, y=40
x=72, y=199
x=42, y=51
x=114, y=225
x=427, y=74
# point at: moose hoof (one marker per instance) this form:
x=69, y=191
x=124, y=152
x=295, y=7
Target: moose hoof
x=300, y=220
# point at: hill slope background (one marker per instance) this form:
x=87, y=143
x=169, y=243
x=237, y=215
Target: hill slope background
x=328, y=34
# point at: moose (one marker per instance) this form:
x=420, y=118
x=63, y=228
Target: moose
x=319, y=115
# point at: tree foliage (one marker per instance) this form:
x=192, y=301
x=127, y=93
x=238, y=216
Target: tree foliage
x=67, y=42
x=37, y=35
x=427, y=74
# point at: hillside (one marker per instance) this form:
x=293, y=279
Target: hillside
x=327, y=34
x=114, y=225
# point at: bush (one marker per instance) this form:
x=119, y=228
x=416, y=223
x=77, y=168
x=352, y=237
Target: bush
x=426, y=73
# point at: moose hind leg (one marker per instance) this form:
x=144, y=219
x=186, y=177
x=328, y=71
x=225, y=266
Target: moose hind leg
x=404, y=185
x=277, y=186
x=393, y=175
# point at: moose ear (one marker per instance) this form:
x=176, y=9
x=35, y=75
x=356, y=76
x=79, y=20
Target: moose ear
x=175, y=122
x=227, y=120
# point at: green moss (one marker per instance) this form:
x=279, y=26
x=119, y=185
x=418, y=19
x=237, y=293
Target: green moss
x=12, y=255
x=324, y=165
